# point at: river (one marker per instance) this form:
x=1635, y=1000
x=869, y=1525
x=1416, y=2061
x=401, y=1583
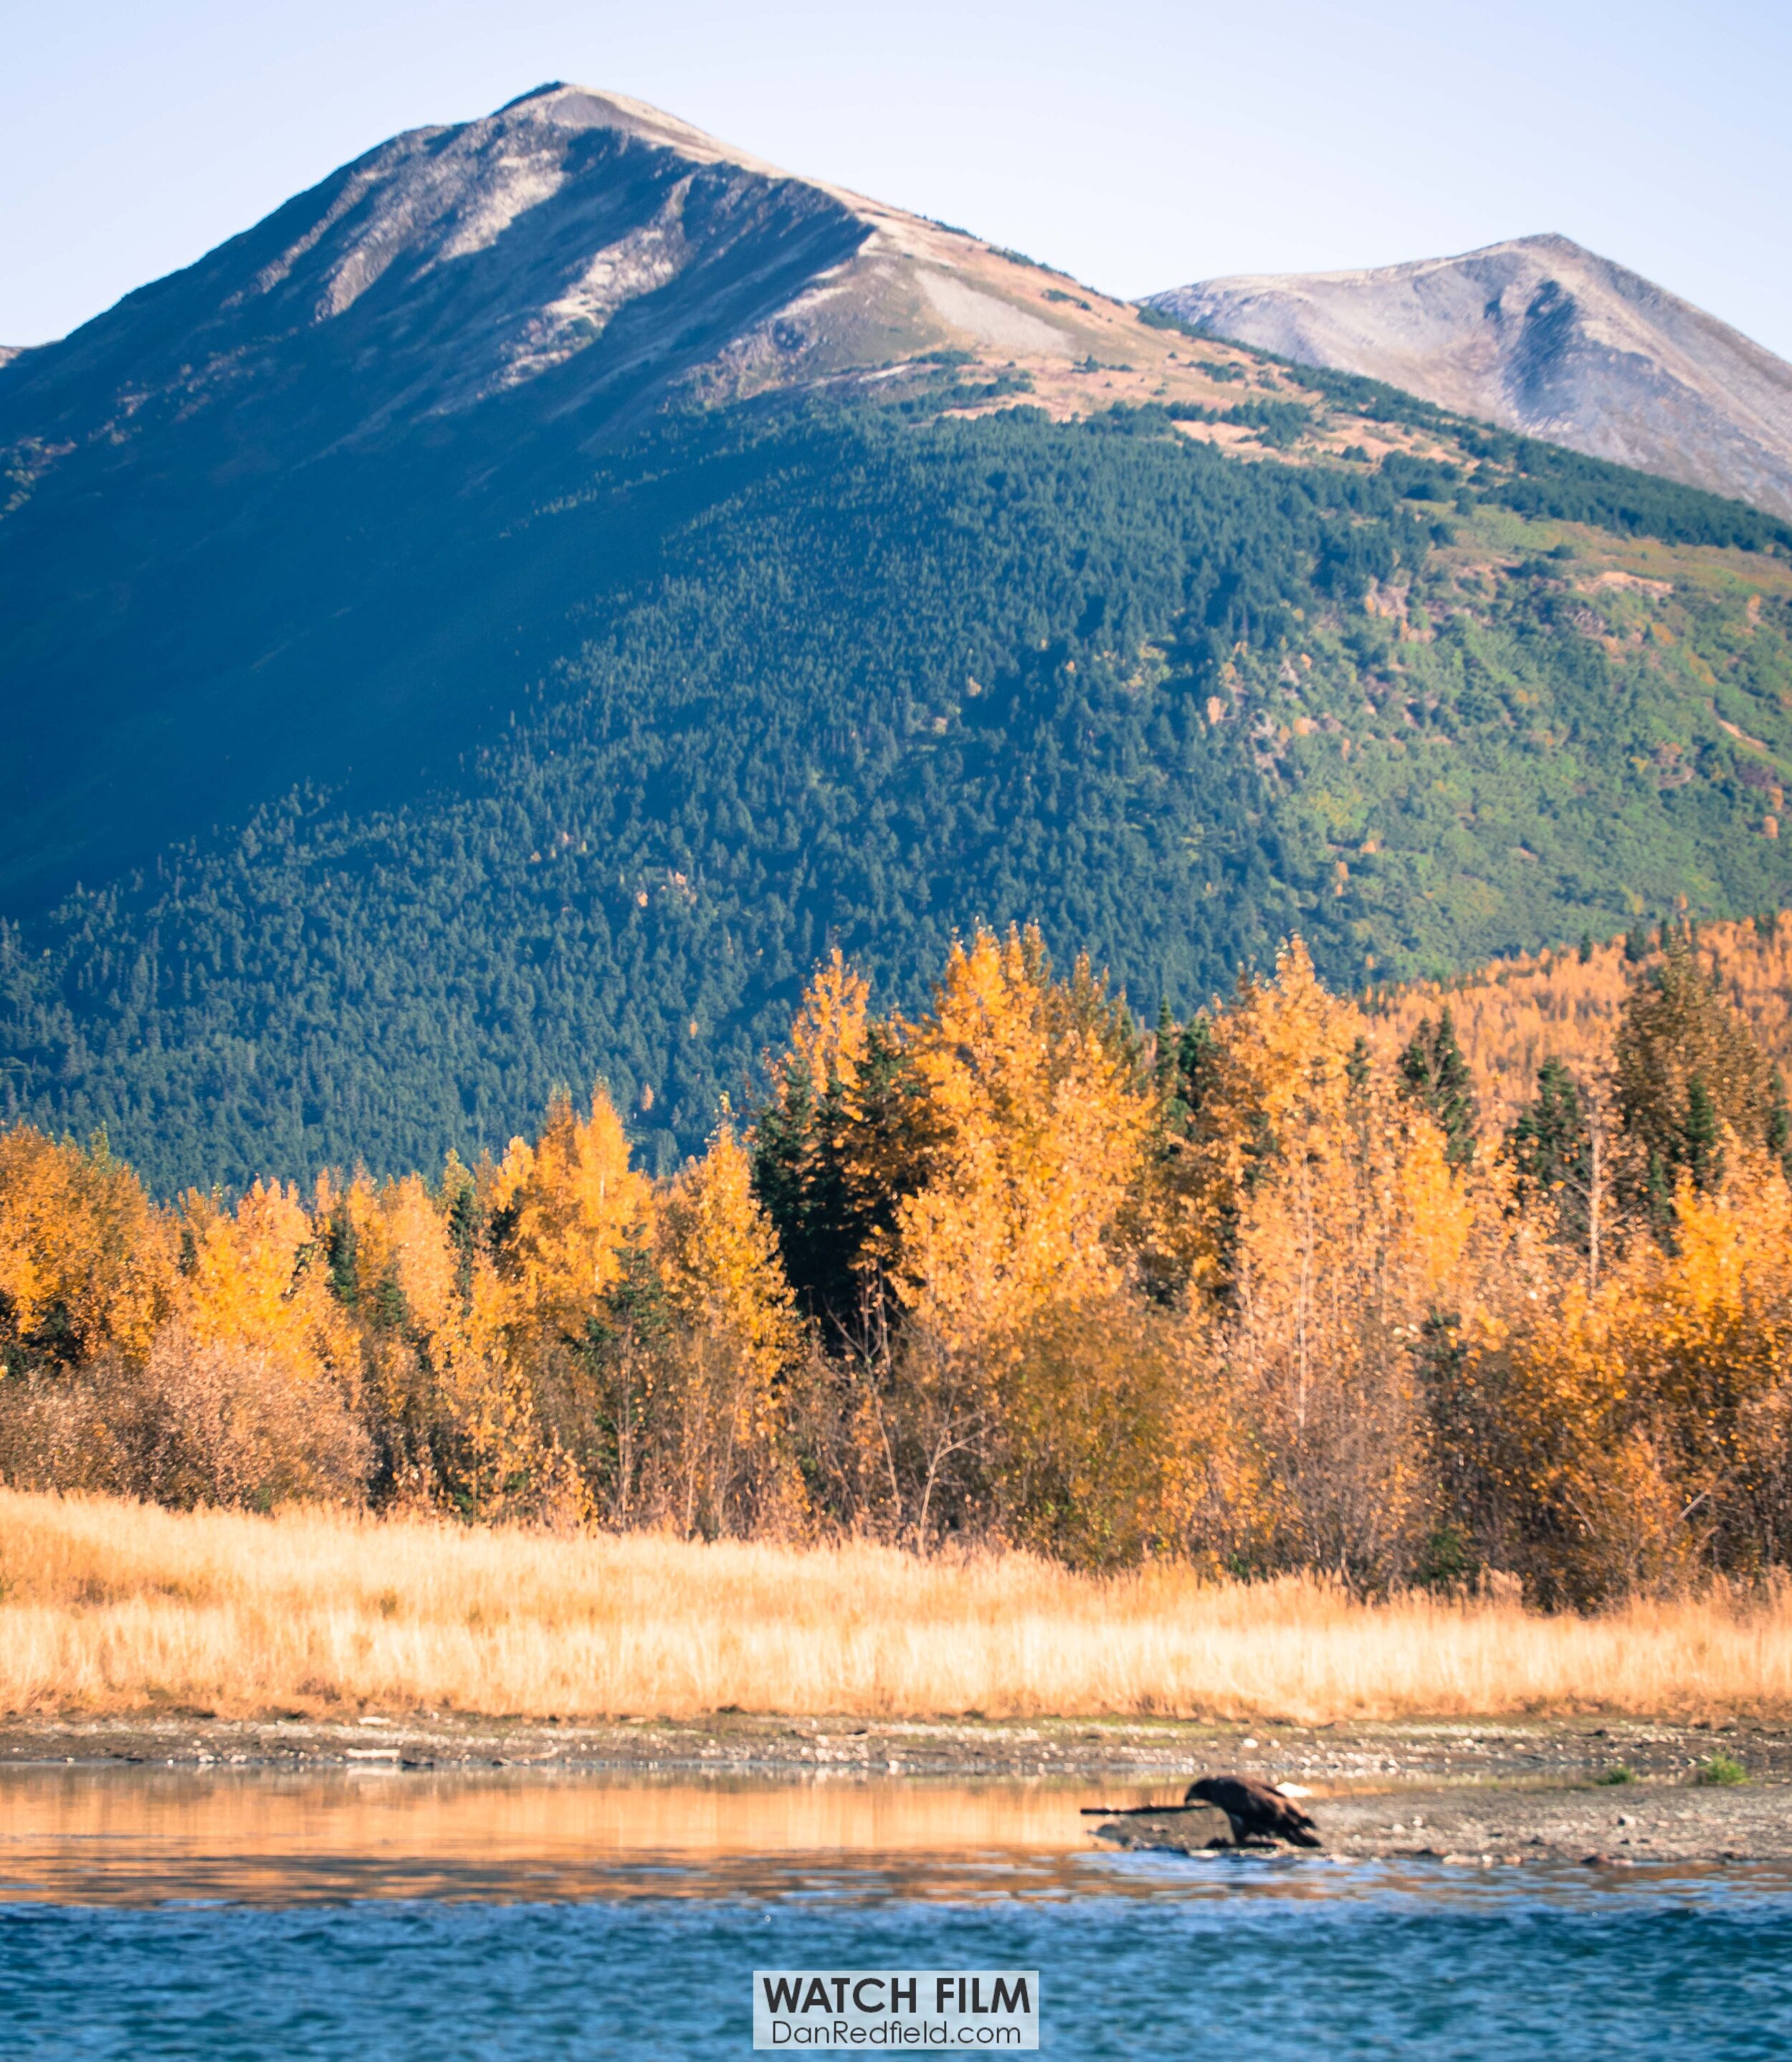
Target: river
x=376, y=1913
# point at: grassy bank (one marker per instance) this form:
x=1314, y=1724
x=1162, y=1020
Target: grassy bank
x=110, y=1607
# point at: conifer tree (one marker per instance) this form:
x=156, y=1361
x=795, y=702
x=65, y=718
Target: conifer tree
x=1549, y=1147
x=1700, y=1133
x=1685, y=1067
x=1779, y=1121
x=843, y=1137
x=1185, y=1223
x=1196, y=1075
x=459, y=1199
x=340, y=1247
x=1560, y=1150
x=1434, y=1075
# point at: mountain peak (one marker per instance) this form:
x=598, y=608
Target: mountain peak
x=1540, y=334
x=1551, y=240
x=561, y=105
x=577, y=252
x=454, y=264
x=485, y=304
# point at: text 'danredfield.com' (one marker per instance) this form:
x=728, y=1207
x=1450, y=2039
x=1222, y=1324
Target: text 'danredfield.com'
x=986, y=2010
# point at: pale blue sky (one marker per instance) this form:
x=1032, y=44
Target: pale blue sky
x=1139, y=146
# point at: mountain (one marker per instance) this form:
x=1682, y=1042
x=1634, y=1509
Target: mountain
x=503, y=618
x=1541, y=336
x=378, y=376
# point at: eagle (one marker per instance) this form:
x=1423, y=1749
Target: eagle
x=1255, y=1810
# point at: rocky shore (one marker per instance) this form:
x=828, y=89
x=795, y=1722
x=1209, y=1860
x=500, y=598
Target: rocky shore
x=1487, y=1825
x=1559, y=1790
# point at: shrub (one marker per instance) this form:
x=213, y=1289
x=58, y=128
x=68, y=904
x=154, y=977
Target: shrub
x=1722, y=1770
x=198, y=1423
x=227, y=1424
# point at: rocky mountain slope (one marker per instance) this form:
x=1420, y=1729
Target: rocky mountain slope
x=1541, y=336
x=359, y=396
x=577, y=248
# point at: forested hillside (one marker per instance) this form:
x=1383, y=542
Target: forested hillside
x=866, y=674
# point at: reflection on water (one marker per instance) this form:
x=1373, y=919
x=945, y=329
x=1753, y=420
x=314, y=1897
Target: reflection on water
x=87, y=1835
x=520, y=1917
x=134, y=1835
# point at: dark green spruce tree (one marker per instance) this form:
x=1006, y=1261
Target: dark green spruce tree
x=1434, y=1075
x=1550, y=1148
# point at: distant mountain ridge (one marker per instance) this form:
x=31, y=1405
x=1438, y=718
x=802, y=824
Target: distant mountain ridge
x=1540, y=335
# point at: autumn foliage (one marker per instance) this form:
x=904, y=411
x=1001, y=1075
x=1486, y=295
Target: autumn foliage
x=1299, y=1284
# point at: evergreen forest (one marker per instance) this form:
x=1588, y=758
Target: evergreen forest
x=824, y=674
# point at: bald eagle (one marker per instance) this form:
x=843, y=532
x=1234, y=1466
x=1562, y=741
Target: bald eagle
x=1256, y=1811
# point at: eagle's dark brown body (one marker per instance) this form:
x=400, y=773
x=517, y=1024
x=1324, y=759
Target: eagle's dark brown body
x=1256, y=1810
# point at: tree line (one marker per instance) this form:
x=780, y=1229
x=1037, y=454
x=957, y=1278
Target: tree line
x=1258, y=1289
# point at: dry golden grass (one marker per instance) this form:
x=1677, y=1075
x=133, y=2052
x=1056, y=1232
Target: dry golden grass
x=111, y=1606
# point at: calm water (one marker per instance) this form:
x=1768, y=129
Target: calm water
x=183, y=1915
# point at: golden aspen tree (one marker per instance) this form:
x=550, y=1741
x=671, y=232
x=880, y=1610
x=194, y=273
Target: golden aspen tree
x=1040, y=1122
x=1593, y=1507
x=254, y=1276
x=249, y=1394
x=1709, y=1338
x=442, y=1401
x=391, y=1260
x=830, y=1033
x=563, y=1211
x=737, y=1344
x=567, y=1216
x=1645, y=1432
x=1334, y=1226
x=1122, y=1438
x=86, y=1262
x=496, y=1450
x=1036, y=1117
x=86, y=1281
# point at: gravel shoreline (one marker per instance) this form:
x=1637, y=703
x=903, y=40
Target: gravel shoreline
x=1485, y=1826
x=1481, y=1794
